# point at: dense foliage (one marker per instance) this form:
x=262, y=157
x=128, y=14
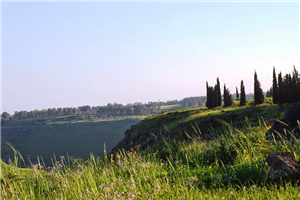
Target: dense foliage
x=288, y=88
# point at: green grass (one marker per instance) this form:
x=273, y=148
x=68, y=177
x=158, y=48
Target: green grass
x=170, y=107
x=229, y=166
x=207, y=122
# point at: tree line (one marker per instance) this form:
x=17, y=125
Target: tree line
x=214, y=98
x=112, y=109
x=136, y=108
x=285, y=89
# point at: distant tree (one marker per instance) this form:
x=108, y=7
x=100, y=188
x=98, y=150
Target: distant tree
x=85, y=109
x=109, y=108
x=210, y=94
x=22, y=114
x=296, y=85
x=145, y=110
x=32, y=114
x=215, y=97
x=236, y=92
x=275, y=87
x=280, y=89
x=286, y=88
x=218, y=93
x=291, y=89
x=66, y=111
x=51, y=111
x=74, y=111
x=227, y=97
x=59, y=111
x=208, y=97
x=16, y=115
x=158, y=105
x=5, y=116
x=128, y=109
x=258, y=93
x=212, y=97
x=137, y=109
x=43, y=113
x=269, y=92
x=243, y=95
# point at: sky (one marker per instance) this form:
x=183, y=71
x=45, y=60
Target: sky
x=70, y=54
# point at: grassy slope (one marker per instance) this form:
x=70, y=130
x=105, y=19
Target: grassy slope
x=209, y=120
x=63, y=135
x=208, y=123
x=227, y=167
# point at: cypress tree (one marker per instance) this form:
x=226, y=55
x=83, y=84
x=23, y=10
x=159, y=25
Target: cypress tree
x=218, y=93
x=243, y=95
x=292, y=89
x=296, y=85
x=209, y=96
x=286, y=88
x=236, y=92
x=215, y=97
x=280, y=89
x=275, y=87
x=227, y=97
x=258, y=93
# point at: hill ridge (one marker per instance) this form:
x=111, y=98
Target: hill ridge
x=202, y=122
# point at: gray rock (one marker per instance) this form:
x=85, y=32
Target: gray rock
x=287, y=127
x=280, y=166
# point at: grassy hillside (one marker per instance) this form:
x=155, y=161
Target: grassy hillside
x=76, y=135
x=201, y=122
x=208, y=121
x=225, y=166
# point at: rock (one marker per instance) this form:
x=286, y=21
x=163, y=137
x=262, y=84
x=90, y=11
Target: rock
x=133, y=135
x=287, y=125
x=281, y=166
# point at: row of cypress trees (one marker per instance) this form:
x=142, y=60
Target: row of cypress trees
x=285, y=89
x=213, y=95
x=214, y=98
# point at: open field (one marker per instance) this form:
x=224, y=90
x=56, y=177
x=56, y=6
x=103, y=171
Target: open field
x=62, y=135
x=171, y=107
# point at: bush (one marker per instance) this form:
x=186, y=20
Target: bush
x=268, y=100
x=250, y=102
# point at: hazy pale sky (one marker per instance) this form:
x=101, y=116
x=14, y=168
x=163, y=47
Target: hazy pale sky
x=69, y=54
